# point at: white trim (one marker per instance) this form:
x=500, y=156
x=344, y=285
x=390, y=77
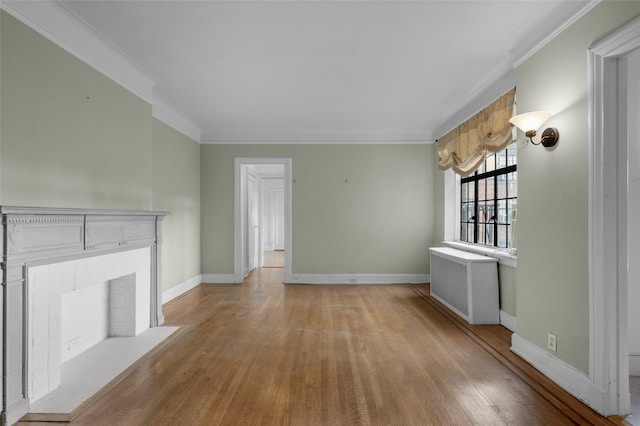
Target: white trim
x=634, y=364
x=608, y=360
x=567, y=377
x=482, y=96
x=218, y=279
x=508, y=321
x=164, y=112
x=306, y=141
x=503, y=255
x=561, y=28
x=58, y=24
x=451, y=203
x=504, y=80
x=356, y=278
x=238, y=206
x=179, y=289
x=54, y=21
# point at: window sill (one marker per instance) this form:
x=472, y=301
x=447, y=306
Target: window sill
x=504, y=256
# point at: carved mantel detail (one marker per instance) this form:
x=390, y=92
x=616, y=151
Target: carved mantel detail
x=37, y=236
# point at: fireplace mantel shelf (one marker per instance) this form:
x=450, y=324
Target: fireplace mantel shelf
x=34, y=236
x=42, y=211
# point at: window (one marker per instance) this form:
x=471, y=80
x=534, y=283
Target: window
x=487, y=198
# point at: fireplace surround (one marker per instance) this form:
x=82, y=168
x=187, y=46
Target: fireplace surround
x=33, y=237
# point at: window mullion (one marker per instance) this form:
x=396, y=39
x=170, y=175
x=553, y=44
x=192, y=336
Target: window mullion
x=475, y=212
x=496, y=213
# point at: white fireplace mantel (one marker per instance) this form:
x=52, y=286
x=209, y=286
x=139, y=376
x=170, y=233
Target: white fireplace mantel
x=38, y=236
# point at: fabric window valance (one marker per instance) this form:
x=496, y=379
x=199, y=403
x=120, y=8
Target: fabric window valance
x=465, y=147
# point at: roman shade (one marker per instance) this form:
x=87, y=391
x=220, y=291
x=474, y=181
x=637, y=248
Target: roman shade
x=464, y=148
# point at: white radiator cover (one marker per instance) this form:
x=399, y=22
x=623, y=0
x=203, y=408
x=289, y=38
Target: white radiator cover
x=467, y=283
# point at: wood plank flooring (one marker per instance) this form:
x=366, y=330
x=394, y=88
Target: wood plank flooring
x=263, y=353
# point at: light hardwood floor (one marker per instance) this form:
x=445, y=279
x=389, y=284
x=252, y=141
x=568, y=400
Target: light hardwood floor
x=263, y=353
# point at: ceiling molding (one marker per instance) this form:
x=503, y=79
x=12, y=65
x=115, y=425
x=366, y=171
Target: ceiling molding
x=164, y=112
x=317, y=142
x=485, y=95
x=55, y=22
x=555, y=32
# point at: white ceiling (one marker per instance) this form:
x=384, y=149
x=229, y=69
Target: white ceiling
x=323, y=70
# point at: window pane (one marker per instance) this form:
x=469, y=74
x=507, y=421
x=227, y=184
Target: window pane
x=471, y=187
x=481, y=212
x=490, y=163
x=491, y=212
x=512, y=151
x=470, y=212
x=464, y=217
x=482, y=168
x=482, y=190
x=502, y=186
x=512, y=202
x=503, y=216
x=486, y=201
x=491, y=187
x=512, y=179
x=487, y=233
x=501, y=159
x=503, y=233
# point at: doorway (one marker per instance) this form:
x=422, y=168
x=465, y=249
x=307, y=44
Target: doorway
x=614, y=200
x=262, y=213
x=629, y=72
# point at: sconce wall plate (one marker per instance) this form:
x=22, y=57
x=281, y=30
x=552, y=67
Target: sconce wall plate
x=549, y=137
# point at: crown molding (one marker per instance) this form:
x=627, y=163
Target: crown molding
x=311, y=137
x=55, y=22
x=561, y=28
x=164, y=112
x=58, y=24
x=503, y=80
x=304, y=141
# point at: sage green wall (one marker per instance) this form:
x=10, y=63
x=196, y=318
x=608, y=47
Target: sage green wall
x=70, y=136
x=508, y=289
x=379, y=222
x=176, y=188
x=552, y=273
x=438, y=200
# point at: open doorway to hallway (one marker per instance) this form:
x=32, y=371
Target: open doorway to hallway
x=262, y=215
x=272, y=214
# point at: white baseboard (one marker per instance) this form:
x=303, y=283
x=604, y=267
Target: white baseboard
x=183, y=287
x=567, y=377
x=508, y=321
x=218, y=279
x=357, y=279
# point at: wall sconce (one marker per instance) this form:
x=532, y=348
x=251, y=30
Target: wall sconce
x=530, y=122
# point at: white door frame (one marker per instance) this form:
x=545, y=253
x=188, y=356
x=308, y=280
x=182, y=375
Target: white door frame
x=608, y=313
x=239, y=245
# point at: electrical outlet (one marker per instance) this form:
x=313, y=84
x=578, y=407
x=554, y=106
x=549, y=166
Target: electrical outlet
x=551, y=342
